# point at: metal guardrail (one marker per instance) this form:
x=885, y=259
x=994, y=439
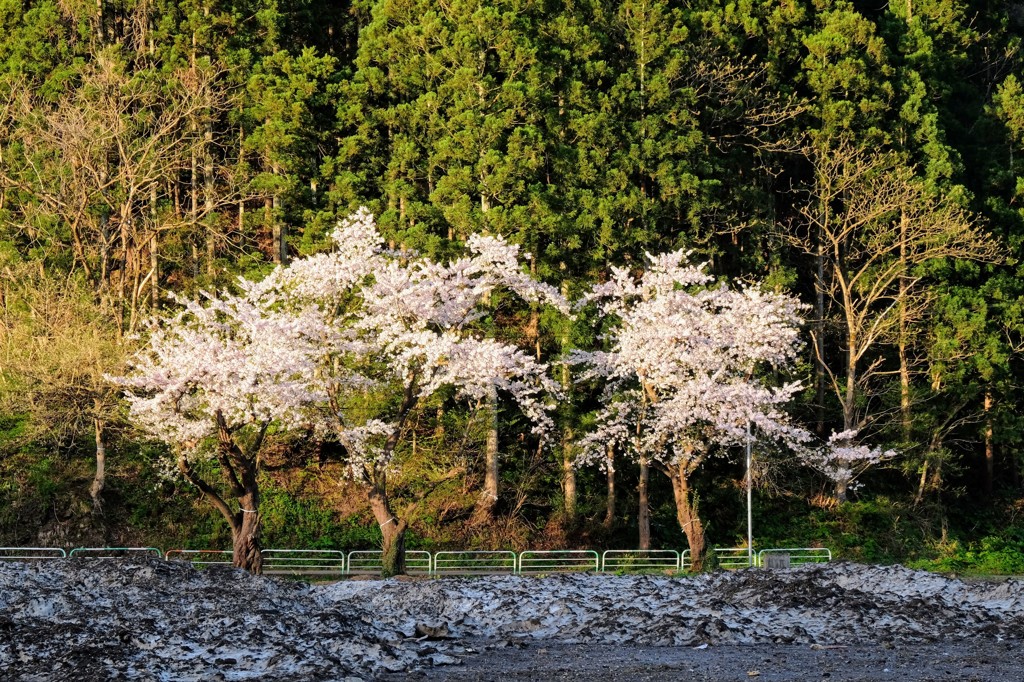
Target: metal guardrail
x=474, y=562
x=113, y=552
x=798, y=555
x=201, y=558
x=335, y=563
x=324, y=563
x=731, y=558
x=613, y=560
x=368, y=562
x=558, y=561
x=31, y=553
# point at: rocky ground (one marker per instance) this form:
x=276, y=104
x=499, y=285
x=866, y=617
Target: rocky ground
x=119, y=619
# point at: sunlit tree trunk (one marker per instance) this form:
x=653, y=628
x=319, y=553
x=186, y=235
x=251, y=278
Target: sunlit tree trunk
x=487, y=502
x=209, y=199
x=374, y=476
x=644, y=511
x=154, y=257
x=922, y=481
x=246, y=532
x=686, y=514
x=392, y=528
x=568, y=465
x=240, y=471
x=241, y=164
x=990, y=455
x=568, y=475
x=609, y=513
x=100, y=477
x=904, y=330
x=819, y=337
x=154, y=272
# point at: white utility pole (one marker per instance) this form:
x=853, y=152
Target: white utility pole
x=750, y=512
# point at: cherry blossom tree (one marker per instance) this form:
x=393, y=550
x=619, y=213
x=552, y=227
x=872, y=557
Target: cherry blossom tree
x=842, y=460
x=213, y=381
x=401, y=328
x=683, y=371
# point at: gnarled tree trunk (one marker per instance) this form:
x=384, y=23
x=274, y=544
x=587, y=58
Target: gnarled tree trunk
x=246, y=524
x=392, y=531
x=375, y=477
x=240, y=472
x=245, y=534
x=686, y=513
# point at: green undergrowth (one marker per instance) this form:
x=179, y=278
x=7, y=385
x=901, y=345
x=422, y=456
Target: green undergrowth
x=881, y=530
x=989, y=556
x=44, y=500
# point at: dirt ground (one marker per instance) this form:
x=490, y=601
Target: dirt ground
x=95, y=619
x=970, y=662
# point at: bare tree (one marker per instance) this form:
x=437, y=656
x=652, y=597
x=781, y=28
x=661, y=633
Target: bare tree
x=55, y=346
x=99, y=168
x=870, y=224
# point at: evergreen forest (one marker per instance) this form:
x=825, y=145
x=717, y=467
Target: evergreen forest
x=866, y=158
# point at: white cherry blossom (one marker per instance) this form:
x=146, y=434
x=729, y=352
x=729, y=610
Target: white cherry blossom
x=842, y=460
x=212, y=380
x=683, y=364
x=402, y=324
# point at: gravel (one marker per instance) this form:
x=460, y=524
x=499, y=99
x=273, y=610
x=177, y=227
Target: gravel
x=156, y=620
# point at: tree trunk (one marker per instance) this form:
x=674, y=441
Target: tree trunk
x=842, y=486
x=488, y=500
x=154, y=268
x=568, y=476
x=100, y=26
x=922, y=482
x=245, y=534
x=100, y=478
x=686, y=514
x=568, y=469
x=104, y=253
x=278, y=230
x=240, y=471
x=936, y=479
x=393, y=555
x=644, y=512
x=392, y=531
x=391, y=527
x=241, y=164
x=609, y=514
x=849, y=399
x=193, y=191
x=133, y=309
x=990, y=455
x=904, y=335
x=196, y=263
x=246, y=524
x=819, y=340
x=209, y=189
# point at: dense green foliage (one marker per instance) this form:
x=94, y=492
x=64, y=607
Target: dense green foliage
x=150, y=146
